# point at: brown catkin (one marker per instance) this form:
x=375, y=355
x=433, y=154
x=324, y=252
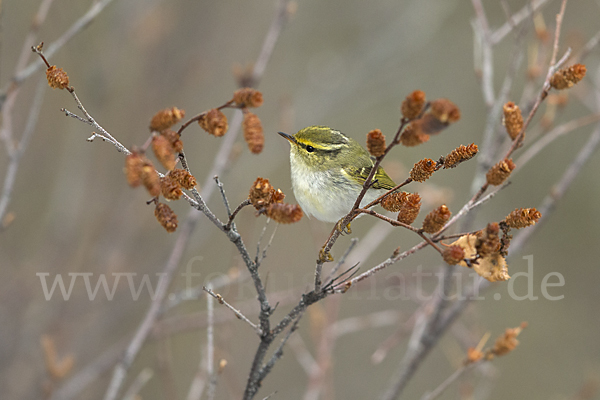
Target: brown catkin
x=184, y=178
x=253, y=132
x=413, y=104
x=214, y=122
x=278, y=196
x=57, y=78
x=376, y=142
x=410, y=207
x=423, y=170
x=522, y=218
x=565, y=78
x=413, y=135
x=248, y=97
x=174, y=138
x=507, y=342
x=284, y=213
x=444, y=111
x=393, y=201
x=163, y=150
x=164, y=119
x=488, y=241
x=134, y=163
x=166, y=217
x=150, y=178
x=460, y=154
x=436, y=219
x=500, y=172
x=261, y=193
x=513, y=120
x=170, y=188
x=452, y=255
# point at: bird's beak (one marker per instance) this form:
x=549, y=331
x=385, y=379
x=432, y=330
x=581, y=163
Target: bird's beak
x=288, y=137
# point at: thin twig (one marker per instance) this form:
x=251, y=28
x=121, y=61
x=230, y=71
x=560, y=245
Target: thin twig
x=524, y=13
x=559, y=189
x=448, y=381
x=223, y=196
x=53, y=47
x=237, y=312
x=210, y=340
x=139, y=382
x=261, y=255
x=232, y=216
x=342, y=260
x=554, y=134
x=17, y=154
x=264, y=371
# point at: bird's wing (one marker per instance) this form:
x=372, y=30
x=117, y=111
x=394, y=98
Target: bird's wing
x=360, y=173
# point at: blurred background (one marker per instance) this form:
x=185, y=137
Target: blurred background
x=346, y=64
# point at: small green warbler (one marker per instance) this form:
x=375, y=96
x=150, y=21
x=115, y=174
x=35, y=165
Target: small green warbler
x=329, y=170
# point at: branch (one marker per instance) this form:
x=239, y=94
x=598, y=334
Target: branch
x=53, y=47
x=237, y=312
x=16, y=155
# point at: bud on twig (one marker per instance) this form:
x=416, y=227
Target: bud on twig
x=513, y=120
x=567, y=77
x=413, y=105
x=166, y=118
x=436, y=219
x=522, y=218
x=460, y=154
x=500, y=172
x=214, y=122
x=422, y=170
x=376, y=143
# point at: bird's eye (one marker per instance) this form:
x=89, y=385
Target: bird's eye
x=310, y=149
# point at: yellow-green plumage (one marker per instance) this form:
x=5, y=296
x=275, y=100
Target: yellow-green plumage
x=328, y=172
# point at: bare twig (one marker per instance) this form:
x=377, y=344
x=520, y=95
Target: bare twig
x=559, y=189
x=223, y=196
x=143, y=377
x=261, y=255
x=554, y=134
x=232, y=216
x=451, y=379
x=53, y=47
x=16, y=155
x=237, y=312
x=342, y=260
x=210, y=341
x=518, y=17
